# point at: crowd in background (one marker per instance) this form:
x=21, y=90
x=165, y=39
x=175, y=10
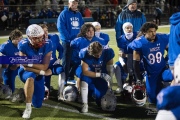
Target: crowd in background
x=15, y=13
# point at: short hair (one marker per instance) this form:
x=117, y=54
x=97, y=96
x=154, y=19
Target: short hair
x=43, y=26
x=145, y=27
x=94, y=48
x=85, y=29
x=15, y=34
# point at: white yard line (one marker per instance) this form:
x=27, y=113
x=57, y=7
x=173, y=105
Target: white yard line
x=76, y=111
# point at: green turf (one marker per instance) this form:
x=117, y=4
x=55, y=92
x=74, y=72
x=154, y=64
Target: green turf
x=125, y=109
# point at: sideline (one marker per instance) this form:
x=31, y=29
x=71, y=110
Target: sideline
x=76, y=111
x=112, y=29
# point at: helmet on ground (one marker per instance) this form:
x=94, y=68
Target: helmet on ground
x=34, y=30
x=176, y=70
x=46, y=95
x=139, y=95
x=5, y=92
x=109, y=101
x=127, y=87
x=70, y=93
x=18, y=96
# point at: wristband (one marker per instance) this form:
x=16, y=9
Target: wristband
x=29, y=65
x=98, y=74
x=42, y=72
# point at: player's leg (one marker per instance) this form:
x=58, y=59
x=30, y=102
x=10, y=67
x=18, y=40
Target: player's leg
x=153, y=86
x=9, y=78
x=28, y=79
x=101, y=88
x=85, y=83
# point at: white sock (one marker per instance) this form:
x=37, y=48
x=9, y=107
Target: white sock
x=165, y=115
x=84, y=92
x=61, y=81
x=28, y=106
x=117, y=72
x=121, y=61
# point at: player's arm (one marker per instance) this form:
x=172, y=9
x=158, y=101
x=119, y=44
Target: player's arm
x=136, y=61
x=45, y=64
x=39, y=72
x=85, y=70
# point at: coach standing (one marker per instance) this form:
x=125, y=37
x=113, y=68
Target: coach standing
x=69, y=24
x=132, y=15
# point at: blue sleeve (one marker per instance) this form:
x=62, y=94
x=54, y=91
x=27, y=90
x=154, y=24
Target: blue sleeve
x=2, y=48
x=21, y=46
x=120, y=42
x=110, y=54
x=118, y=27
x=59, y=47
x=61, y=26
x=82, y=53
x=48, y=47
x=135, y=45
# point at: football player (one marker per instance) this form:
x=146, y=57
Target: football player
x=125, y=56
x=98, y=32
x=97, y=67
x=151, y=46
x=34, y=45
x=9, y=48
x=85, y=37
x=55, y=65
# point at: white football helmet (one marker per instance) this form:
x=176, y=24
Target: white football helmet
x=139, y=95
x=176, y=70
x=109, y=101
x=34, y=30
x=18, y=96
x=5, y=92
x=70, y=93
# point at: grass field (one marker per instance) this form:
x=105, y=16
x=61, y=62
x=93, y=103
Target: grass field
x=55, y=110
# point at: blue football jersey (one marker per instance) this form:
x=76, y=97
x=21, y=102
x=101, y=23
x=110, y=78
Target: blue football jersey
x=122, y=43
x=151, y=52
x=25, y=47
x=80, y=43
x=55, y=46
x=97, y=64
x=9, y=49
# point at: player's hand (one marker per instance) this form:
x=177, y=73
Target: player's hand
x=138, y=82
x=48, y=72
x=57, y=62
x=105, y=77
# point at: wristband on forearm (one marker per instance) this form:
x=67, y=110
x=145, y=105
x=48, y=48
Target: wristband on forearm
x=98, y=74
x=29, y=65
x=42, y=72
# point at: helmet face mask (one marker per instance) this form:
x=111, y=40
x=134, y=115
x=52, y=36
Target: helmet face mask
x=37, y=42
x=70, y=93
x=139, y=95
x=36, y=35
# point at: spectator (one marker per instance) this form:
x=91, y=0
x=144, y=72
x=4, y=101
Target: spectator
x=87, y=12
x=174, y=39
x=129, y=14
x=157, y=14
x=61, y=5
x=69, y=24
